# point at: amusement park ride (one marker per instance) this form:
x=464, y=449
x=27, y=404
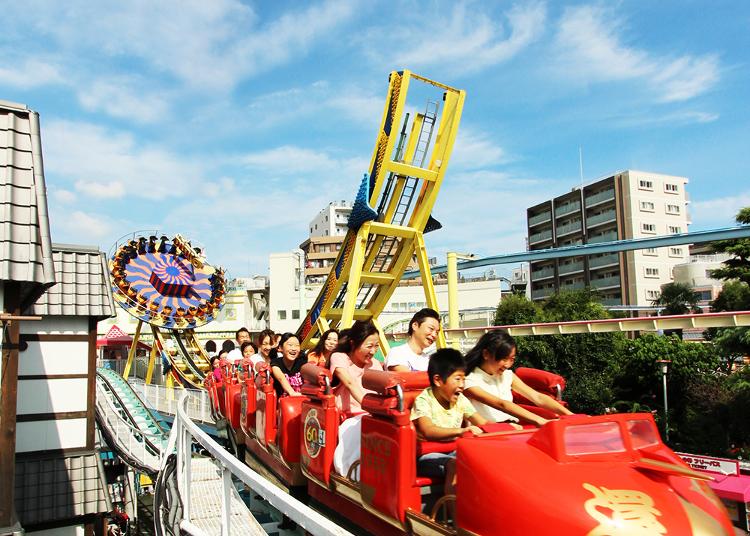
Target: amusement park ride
x=166, y=283
x=593, y=475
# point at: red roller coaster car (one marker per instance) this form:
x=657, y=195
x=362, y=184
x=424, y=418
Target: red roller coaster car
x=579, y=475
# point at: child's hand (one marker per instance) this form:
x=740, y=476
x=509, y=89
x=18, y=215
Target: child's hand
x=474, y=430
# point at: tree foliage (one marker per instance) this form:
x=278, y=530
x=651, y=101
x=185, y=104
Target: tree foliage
x=605, y=370
x=677, y=299
x=737, y=267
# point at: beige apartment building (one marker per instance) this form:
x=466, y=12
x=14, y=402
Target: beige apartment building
x=628, y=204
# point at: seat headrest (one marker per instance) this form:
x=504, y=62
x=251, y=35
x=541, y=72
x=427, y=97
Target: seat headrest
x=541, y=380
x=384, y=382
x=312, y=373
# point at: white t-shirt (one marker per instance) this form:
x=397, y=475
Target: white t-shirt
x=498, y=385
x=404, y=355
x=234, y=356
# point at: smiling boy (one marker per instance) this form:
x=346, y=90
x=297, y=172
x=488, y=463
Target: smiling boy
x=439, y=414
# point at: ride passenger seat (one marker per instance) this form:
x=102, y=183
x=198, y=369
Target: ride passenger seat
x=388, y=479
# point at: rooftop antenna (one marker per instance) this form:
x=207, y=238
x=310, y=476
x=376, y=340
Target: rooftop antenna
x=580, y=164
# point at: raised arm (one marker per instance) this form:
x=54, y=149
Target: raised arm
x=488, y=399
x=428, y=431
x=279, y=376
x=346, y=381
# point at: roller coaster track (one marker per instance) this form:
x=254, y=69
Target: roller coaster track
x=127, y=424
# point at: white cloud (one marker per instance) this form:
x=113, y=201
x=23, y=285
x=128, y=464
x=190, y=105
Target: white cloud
x=122, y=97
x=62, y=196
x=29, y=73
x=102, y=159
x=81, y=227
x=209, y=45
x=474, y=150
x=590, y=49
x=718, y=212
x=298, y=104
x=305, y=168
x=111, y=190
x=465, y=39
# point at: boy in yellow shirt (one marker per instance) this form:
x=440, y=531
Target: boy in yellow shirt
x=440, y=412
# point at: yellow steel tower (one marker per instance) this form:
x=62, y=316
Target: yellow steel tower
x=392, y=211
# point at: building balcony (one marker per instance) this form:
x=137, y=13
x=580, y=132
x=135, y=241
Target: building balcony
x=567, y=208
x=541, y=293
x=604, y=217
x=606, y=282
x=568, y=228
x=606, y=237
x=571, y=268
x=540, y=218
x=309, y=272
x=611, y=259
x=574, y=285
x=544, y=273
x=601, y=197
x=540, y=237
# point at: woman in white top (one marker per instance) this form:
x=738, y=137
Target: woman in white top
x=490, y=383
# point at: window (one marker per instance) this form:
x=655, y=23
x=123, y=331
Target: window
x=645, y=185
x=647, y=206
x=649, y=228
x=651, y=252
x=673, y=209
x=674, y=229
x=705, y=295
x=326, y=218
x=311, y=229
x=281, y=314
x=675, y=252
x=652, y=294
x=671, y=188
x=295, y=314
x=708, y=274
x=652, y=272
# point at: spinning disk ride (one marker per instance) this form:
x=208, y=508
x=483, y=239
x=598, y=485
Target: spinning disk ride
x=165, y=282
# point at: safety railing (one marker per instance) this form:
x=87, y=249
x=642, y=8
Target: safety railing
x=185, y=432
x=165, y=399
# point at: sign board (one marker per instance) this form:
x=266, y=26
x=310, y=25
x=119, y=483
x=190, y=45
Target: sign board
x=708, y=464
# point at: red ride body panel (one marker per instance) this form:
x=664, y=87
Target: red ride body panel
x=265, y=412
x=247, y=407
x=290, y=427
x=320, y=432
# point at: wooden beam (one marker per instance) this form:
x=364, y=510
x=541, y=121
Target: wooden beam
x=91, y=393
x=8, y=406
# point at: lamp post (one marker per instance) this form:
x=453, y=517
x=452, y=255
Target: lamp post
x=452, y=269
x=664, y=369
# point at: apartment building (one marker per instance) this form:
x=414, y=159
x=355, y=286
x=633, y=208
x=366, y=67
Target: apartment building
x=628, y=204
x=327, y=231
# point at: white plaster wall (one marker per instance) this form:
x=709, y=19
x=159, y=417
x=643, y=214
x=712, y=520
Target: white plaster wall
x=48, y=358
x=75, y=530
x=49, y=435
x=52, y=396
x=78, y=325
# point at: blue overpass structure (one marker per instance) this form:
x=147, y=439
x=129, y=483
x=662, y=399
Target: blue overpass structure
x=615, y=246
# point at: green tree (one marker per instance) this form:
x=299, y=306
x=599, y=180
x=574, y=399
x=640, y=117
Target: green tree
x=586, y=361
x=735, y=296
x=677, y=299
x=516, y=309
x=737, y=267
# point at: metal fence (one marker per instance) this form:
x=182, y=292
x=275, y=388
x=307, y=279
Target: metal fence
x=165, y=400
x=185, y=432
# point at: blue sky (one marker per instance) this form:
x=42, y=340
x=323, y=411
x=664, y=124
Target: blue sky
x=234, y=123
